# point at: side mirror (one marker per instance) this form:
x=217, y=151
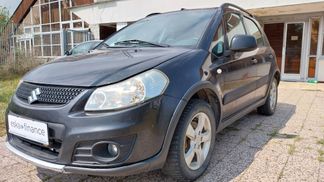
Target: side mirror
x=218, y=49
x=242, y=43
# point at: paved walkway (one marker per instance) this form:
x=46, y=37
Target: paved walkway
x=288, y=146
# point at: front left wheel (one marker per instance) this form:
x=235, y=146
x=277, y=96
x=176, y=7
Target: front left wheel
x=192, y=143
x=270, y=105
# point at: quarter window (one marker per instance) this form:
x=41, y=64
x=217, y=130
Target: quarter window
x=234, y=25
x=253, y=30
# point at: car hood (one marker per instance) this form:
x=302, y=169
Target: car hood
x=101, y=67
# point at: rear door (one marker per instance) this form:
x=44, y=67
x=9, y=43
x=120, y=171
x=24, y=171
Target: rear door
x=236, y=71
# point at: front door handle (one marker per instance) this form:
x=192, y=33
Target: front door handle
x=254, y=61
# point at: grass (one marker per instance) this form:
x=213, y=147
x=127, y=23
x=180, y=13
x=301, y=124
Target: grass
x=321, y=158
x=273, y=133
x=8, y=84
x=298, y=139
x=256, y=127
x=292, y=149
x=321, y=152
x=321, y=142
x=309, y=148
x=321, y=155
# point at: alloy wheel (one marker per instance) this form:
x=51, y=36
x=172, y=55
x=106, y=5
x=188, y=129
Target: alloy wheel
x=197, y=141
x=273, y=95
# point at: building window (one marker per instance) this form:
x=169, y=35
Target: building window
x=35, y=15
x=45, y=13
x=37, y=40
x=46, y=39
x=56, y=38
x=47, y=51
x=55, y=13
x=37, y=51
x=64, y=11
x=44, y=25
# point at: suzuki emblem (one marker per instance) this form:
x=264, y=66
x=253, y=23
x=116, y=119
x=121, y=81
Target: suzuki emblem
x=33, y=98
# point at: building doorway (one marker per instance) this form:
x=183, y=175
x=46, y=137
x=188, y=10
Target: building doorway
x=106, y=30
x=293, y=49
x=275, y=34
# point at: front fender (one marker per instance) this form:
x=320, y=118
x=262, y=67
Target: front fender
x=179, y=110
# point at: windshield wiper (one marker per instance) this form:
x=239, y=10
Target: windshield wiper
x=141, y=42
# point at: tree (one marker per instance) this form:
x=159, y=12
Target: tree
x=4, y=17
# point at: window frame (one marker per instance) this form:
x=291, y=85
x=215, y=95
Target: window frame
x=227, y=42
x=257, y=26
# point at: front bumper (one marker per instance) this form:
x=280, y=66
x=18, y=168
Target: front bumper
x=139, y=130
x=143, y=166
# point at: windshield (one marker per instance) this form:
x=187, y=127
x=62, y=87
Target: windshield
x=84, y=47
x=184, y=28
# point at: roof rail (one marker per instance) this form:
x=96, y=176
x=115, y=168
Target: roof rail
x=229, y=5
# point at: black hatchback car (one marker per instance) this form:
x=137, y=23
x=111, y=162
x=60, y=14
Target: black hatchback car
x=151, y=96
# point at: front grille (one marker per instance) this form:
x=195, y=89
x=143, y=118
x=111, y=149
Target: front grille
x=48, y=94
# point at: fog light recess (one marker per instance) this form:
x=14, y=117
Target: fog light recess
x=113, y=150
x=105, y=151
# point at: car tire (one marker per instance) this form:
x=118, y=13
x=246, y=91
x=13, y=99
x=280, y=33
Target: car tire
x=270, y=105
x=186, y=144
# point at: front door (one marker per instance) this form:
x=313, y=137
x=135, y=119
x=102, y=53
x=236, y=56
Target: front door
x=239, y=70
x=292, y=51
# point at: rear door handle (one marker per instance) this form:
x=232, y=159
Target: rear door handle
x=254, y=61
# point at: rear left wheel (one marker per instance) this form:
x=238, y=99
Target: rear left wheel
x=192, y=143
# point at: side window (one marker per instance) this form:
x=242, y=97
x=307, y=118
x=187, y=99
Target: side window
x=234, y=26
x=253, y=30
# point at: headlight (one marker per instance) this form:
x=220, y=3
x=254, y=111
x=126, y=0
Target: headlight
x=130, y=92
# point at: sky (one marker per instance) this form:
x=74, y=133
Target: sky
x=10, y=4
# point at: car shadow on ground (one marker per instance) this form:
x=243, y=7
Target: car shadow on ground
x=235, y=150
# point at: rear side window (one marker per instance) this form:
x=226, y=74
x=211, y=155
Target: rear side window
x=234, y=25
x=253, y=30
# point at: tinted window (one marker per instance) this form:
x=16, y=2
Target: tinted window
x=234, y=25
x=253, y=30
x=184, y=28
